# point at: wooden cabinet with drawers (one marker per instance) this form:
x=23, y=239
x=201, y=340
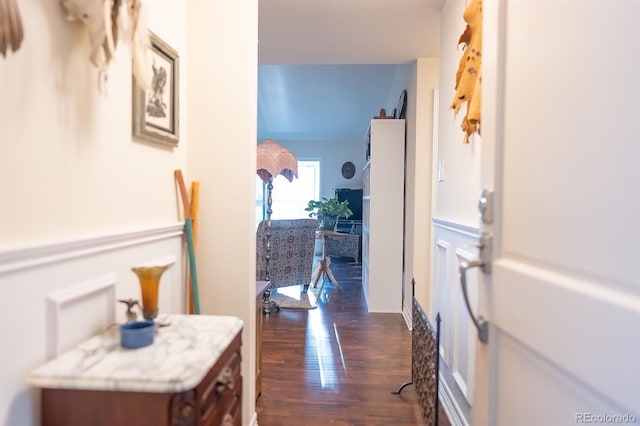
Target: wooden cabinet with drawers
x=130, y=391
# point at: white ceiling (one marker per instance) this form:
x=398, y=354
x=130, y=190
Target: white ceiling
x=327, y=66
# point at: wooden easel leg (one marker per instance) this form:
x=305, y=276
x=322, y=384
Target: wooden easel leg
x=317, y=273
x=327, y=269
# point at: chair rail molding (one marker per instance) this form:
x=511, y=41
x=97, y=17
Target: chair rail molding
x=470, y=231
x=23, y=258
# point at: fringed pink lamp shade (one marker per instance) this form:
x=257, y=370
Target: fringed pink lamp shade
x=273, y=160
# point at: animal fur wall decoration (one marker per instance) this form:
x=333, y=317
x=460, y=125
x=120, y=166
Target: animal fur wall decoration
x=469, y=76
x=11, y=31
x=106, y=24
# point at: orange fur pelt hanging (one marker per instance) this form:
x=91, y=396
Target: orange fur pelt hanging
x=469, y=75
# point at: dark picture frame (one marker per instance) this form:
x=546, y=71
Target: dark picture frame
x=401, y=109
x=348, y=170
x=155, y=111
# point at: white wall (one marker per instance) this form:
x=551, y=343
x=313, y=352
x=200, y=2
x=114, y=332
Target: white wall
x=54, y=297
x=68, y=165
x=332, y=155
x=420, y=139
x=420, y=79
x=78, y=193
x=457, y=195
x=69, y=169
x=456, y=223
x=222, y=133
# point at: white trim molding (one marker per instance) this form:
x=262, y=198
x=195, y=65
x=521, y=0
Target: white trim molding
x=58, y=300
x=466, y=384
x=449, y=404
x=15, y=260
x=407, y=314
x=470, y=231
x=441, y=297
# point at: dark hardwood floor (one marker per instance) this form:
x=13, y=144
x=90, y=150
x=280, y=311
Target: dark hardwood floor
x=337, y=364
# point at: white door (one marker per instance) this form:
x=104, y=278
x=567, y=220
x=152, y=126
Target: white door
x=561, y=149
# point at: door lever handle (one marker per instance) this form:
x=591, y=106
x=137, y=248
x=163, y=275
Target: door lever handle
x=481, y=324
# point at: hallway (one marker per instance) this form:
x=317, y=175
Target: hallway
x=337, y=364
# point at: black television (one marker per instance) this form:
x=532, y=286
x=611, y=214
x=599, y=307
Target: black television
x=354, y=196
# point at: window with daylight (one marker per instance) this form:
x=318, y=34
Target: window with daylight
x=290, y=198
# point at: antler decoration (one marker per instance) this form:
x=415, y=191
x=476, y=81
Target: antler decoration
x=11, y=31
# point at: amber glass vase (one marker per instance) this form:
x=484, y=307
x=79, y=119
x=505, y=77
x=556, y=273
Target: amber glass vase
x=149, y=277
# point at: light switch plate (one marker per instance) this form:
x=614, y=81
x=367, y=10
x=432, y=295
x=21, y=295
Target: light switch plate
x=440, y=170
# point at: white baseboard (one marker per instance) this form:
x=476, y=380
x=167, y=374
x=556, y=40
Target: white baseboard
x=449, y=404
x=408, y=316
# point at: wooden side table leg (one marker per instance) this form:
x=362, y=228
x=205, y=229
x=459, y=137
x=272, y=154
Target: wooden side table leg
x=327, y=267
x=317, y=273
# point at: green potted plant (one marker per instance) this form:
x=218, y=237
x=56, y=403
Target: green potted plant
x=328, y=211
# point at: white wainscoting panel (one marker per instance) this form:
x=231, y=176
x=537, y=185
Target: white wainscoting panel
x=406, y=315
x=449, y=404
x=458, y=333
x=56, y=295
x=79, y=311
x=441, y=297
x=465, y=331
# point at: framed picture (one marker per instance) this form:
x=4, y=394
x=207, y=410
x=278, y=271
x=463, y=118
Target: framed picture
x=155, y=112
x=401, y=109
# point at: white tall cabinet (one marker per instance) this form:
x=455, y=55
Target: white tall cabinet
x=383, y=215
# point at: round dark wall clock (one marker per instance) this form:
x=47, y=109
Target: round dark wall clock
x=401, y=108
x=348, y=170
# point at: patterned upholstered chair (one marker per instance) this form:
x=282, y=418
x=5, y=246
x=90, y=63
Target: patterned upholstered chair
x=291, y=254
x=347, y=245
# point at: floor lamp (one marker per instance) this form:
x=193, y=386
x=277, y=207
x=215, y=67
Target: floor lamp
x=272, y=160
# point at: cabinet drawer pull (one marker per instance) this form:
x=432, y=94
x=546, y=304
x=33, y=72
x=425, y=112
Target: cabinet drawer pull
x=227, y=420
x=224, y=380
